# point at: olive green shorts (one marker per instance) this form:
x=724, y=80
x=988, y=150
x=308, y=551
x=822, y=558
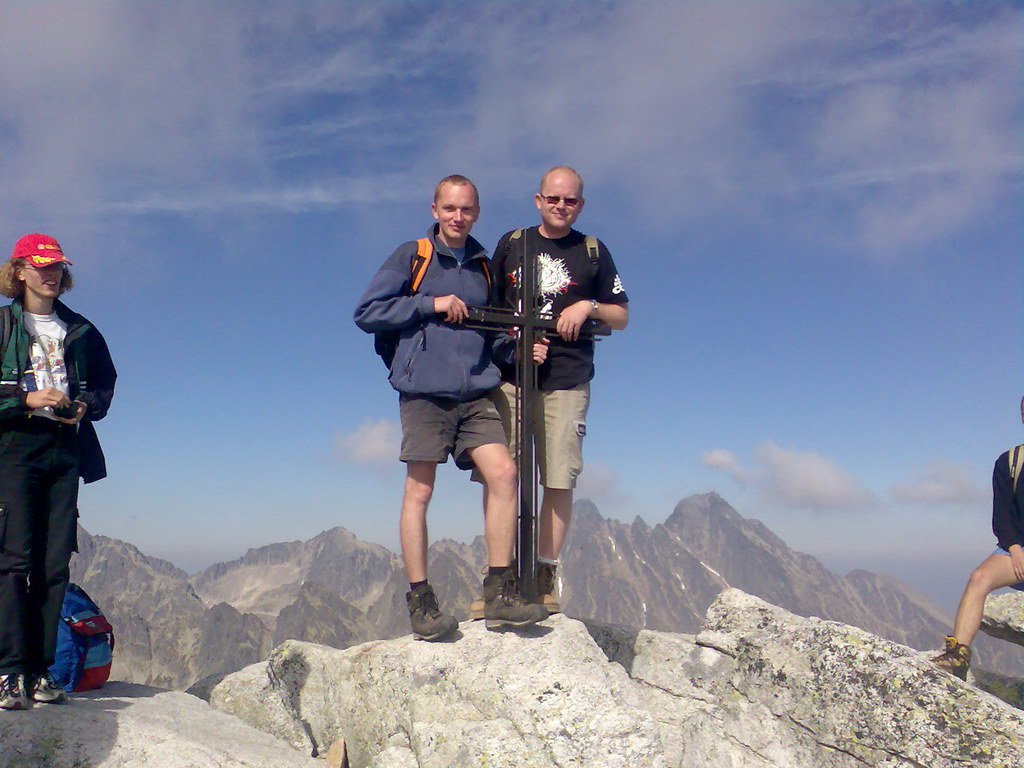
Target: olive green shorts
x=433, y=428
x=560, y=425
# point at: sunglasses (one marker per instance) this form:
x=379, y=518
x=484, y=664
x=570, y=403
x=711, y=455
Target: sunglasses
x=570, y=202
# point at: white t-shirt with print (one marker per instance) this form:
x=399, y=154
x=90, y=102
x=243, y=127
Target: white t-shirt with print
x=47, y=357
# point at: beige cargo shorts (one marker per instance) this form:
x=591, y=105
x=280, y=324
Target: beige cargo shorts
x=560, y=424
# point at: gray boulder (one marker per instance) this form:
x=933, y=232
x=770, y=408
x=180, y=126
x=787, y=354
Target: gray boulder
x=124, y=725
x=1004, y=617
x=758, y=687
x=863, y=699
x=546, y=697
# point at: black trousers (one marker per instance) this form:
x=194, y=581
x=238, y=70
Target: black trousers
x=38, y=533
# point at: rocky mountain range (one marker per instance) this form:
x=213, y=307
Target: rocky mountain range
x=174, y=630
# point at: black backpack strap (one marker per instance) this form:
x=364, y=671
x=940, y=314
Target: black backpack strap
x=6, y=324
x=517, y=238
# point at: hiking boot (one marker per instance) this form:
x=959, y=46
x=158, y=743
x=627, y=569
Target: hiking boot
x=12, y=692
x=956, y=658
x=45, y=690
x=428, y=623
x=504, y=605
x=476, y=609
x=546, y=593
x=546, y=588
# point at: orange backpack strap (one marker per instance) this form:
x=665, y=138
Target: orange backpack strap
x=487, y=273
x=424, y=252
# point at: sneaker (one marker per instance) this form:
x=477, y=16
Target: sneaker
x=428, y=623
x=45, y=690
x=546, y=586
x=505, y=606
x=956, y=658
x=12, y=692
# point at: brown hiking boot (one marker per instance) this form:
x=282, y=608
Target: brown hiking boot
x=547, y=586
x=955, y=659
x=504, y=605
x=428, y=623
x=476, y=608
x=546, y=593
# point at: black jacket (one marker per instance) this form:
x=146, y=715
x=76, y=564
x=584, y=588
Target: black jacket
x=91, y=377
x=1007, y=504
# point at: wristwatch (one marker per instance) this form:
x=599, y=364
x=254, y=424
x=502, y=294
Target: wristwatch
x=593, y=307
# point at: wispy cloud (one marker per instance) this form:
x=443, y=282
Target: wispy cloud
x=792, y=478
x=780, y=110
x=895, y=116
x=600, y=483
x=940, y=482
x=809, y=480
x=291, y=198
x=106, y=101
x=372, y=442
x=727, y=462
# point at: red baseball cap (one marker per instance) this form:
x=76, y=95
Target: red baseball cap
x=39, y=250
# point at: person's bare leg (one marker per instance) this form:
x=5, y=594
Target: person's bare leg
x=503, y=602
x=994, y=572
x=419, y=487
x=555, y=516
x=499, y=475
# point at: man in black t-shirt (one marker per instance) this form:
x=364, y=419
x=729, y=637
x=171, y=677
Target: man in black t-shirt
x=574, y=285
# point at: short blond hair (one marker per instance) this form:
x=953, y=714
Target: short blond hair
x=13, y=288
x=458, y=180
x=567, y=169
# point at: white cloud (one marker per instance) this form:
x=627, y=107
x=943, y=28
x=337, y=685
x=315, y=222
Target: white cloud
x=727, y=462
x=599, y=482
x=808, y=480
x=940, y=482
x=373, y=442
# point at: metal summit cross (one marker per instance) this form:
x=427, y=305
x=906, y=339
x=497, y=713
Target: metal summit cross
x=532, y=325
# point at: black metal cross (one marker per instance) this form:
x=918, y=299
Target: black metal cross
x=532, y=325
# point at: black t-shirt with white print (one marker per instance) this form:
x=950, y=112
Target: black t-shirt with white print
x=567, y=275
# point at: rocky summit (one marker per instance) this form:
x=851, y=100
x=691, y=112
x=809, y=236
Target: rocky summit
x=756, y=687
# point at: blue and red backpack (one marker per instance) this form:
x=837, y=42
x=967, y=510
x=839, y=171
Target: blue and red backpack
x=85, y=643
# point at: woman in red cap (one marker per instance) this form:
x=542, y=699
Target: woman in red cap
x=56, y=378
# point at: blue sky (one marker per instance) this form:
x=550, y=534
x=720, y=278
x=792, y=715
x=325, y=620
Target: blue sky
x=815, y=208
